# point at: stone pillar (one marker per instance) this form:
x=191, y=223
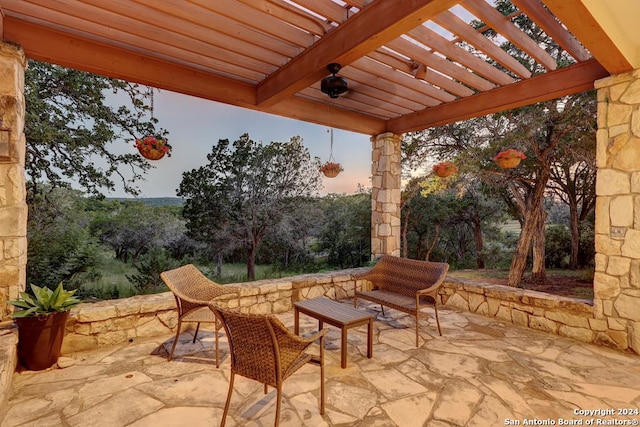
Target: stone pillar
x=385, y=197
x=617, y=227
x=13, y=206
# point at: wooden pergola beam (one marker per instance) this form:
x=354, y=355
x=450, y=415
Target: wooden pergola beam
x=92, y=56
x=565, y=81
x=577, y=18
x=374, y=26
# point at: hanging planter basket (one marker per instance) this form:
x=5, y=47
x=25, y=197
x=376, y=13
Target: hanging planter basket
x=509, y=159
x=331, y=169
x=153, y=148
x=445, y=169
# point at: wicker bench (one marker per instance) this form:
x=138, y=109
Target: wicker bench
x=404, y=284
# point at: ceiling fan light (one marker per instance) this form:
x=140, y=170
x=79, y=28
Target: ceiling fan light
x=333, y=85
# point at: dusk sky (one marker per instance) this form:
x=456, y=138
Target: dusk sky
x=195, y=125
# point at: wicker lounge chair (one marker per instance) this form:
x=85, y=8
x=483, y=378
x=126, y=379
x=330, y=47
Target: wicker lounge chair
x=263, y=349
x=404, y=284
x=193, y=291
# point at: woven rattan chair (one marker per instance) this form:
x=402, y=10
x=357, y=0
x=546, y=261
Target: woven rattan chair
x=263, y=349
x=193, y=291
x=404, y=284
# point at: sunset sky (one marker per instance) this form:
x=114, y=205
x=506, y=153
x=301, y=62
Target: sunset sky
x=196, y=124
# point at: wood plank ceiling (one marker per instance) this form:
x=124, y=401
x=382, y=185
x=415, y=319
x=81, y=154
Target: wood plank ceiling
x=410, y=64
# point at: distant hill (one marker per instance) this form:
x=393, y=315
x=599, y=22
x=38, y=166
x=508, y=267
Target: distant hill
x=152, y=201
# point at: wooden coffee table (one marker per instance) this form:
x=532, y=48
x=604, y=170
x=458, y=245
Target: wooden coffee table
x=335, y=314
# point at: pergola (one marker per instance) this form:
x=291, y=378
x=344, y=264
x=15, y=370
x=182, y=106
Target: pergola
x=410, y=65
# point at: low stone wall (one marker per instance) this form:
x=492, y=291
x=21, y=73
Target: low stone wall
x=568, y=317
x=117, y=321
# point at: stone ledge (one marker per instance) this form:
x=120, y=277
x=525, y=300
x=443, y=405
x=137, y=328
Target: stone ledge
x=110, y=322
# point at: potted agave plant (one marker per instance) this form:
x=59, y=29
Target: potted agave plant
x=41, y=325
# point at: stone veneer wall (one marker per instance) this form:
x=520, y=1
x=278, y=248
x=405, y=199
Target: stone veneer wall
x=617, y=227
x=117, y=321
x=385, y=196
x=13, y=205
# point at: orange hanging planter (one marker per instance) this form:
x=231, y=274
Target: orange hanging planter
x=331, y=169
x=509, y=159
x=445, y=169
x=153, y=148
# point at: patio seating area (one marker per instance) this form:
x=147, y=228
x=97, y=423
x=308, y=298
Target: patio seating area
x=481, y=372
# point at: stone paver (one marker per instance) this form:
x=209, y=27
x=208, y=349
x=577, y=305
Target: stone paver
x=480, y=373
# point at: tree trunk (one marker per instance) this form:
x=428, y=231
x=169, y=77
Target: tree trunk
x=433, y=243
x=575, y=236
x=405, y=229
x=477, y=232
x=532, y=214
x=251, y=262
x=219, y=264
x=538, y=271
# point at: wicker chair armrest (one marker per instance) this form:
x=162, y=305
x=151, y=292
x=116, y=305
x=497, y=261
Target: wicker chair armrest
x=430, y=290
x=311, y=337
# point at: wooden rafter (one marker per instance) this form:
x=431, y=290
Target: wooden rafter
x=578, y=19
x=467, y=33
x=369, y=29
x=545, y=20
x=99, y=58
x=565, y=81
x=457, y=54
x=507, y=29
x=440, y=64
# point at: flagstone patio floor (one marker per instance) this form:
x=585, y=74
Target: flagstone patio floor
x=481, y=372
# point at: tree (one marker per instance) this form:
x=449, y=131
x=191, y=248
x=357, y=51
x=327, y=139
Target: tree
x=133, y=228
x=345, y=232
x=70, y=129
x=540, y=130
x=60, y=245
x=246, y=191
x=573, y=176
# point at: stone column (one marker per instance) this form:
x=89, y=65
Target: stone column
x=13, y=206
x=385, y=197
x=617, y=227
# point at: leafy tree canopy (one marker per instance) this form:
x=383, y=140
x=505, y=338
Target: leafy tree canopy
x=70, y=126
x=247, y=190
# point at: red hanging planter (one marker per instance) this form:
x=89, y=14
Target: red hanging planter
x=445, y=169
x=509, y=159
x=153, y=148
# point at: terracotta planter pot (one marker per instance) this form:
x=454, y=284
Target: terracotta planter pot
x=331, y=173
x=40, y=340
x=509, y=163
x=151, y=153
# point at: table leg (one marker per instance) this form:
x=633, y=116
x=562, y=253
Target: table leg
x=370, y=339
x=343, y=349
x=296, y=324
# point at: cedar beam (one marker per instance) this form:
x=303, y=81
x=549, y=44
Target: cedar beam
x=577, y=18
x=372, y=27
x=562, y=82
x=67, y=50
